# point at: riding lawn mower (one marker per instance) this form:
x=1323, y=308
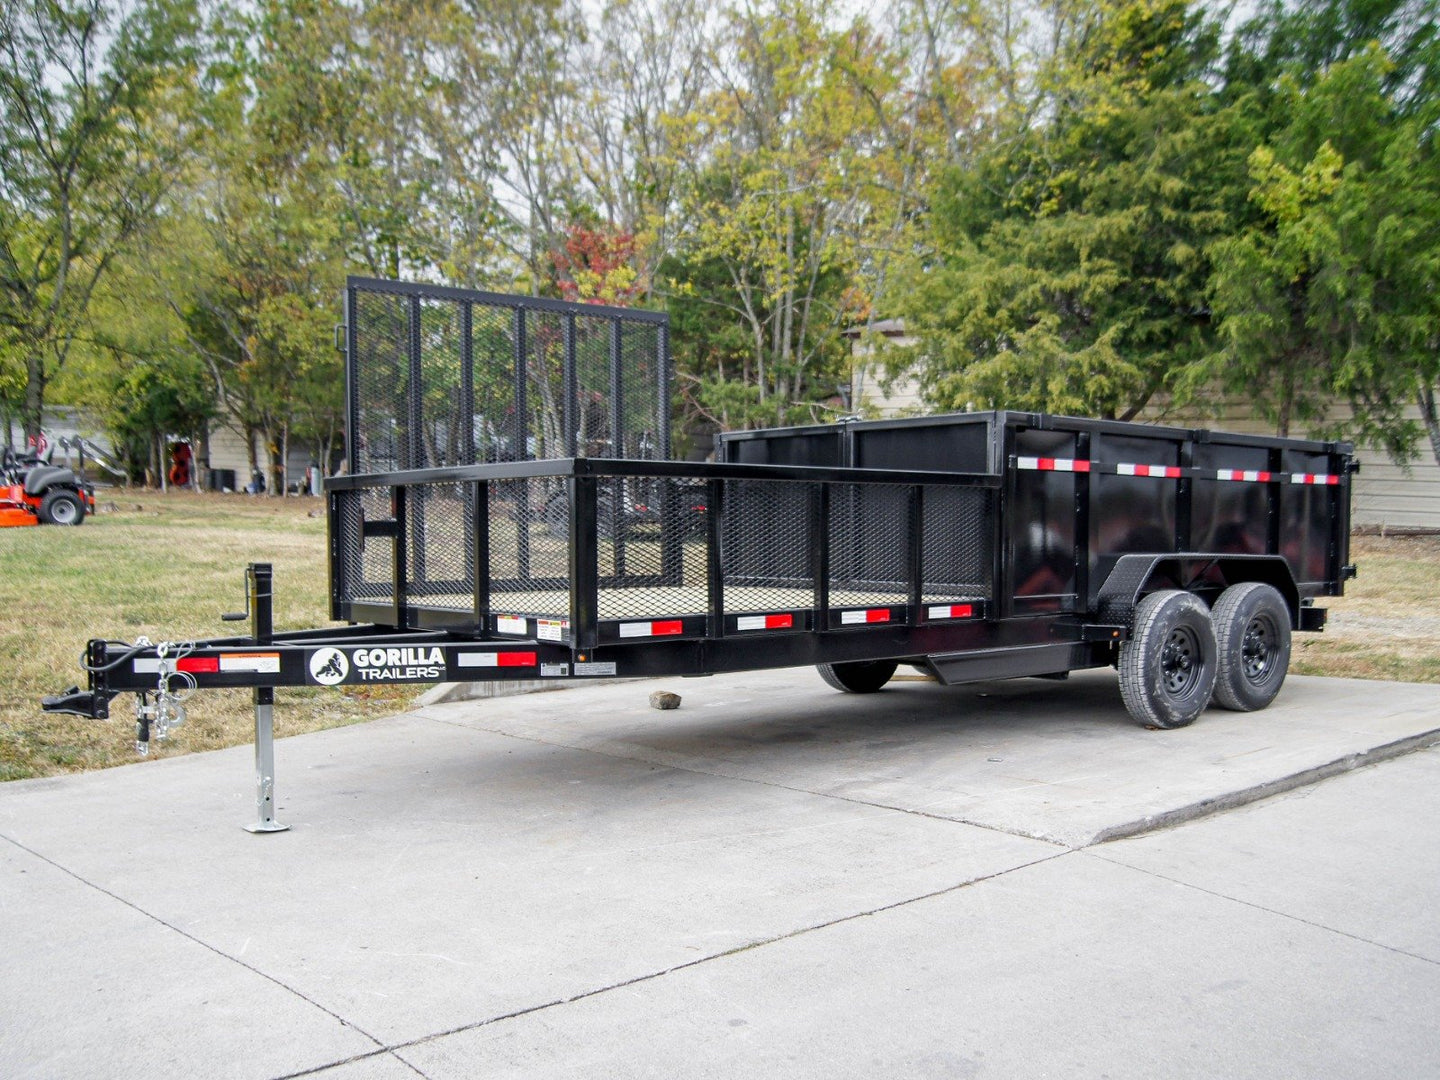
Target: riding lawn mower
x=34, y=492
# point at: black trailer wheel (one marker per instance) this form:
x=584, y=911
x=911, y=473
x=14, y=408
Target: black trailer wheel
x=61, y=507
x=1252, y=632
x=1168, y=667
x=858, y=676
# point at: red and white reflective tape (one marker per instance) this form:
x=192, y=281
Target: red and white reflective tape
x=1169, y=472
x=869, y=615
x=765, y=622
x=1313, y=478
x=657, y=628
x=497, y=659
x=1253, y=475
x=950, y=611
x=258, y=662
x=1052, y=464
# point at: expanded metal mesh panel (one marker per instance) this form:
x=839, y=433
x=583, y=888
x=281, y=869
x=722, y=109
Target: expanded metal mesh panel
x=345, y=569
x=956, y=558
x=636, y=399
x=443, y=377
x=651, y=551
x=442, y=435
x=495, y=435
x=508, y=546
x=869, y=544
x=440, y=539
x=766, y=550
x=590, y=411
x=545, y=350
x=380, y=383
x=529, y=550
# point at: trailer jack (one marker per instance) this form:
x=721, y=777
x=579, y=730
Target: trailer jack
x=159, y=709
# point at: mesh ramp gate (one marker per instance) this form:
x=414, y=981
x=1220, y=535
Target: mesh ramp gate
x=438, y=377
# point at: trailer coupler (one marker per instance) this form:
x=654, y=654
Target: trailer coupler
x=92, y=704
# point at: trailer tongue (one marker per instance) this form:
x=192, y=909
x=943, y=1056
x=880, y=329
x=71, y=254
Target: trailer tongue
x=1029, y=544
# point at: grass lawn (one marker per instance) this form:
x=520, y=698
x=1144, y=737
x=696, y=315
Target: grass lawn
x=167, y=567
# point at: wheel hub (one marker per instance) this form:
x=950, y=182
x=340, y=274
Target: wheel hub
x=1180, y=661
x=1257, y=650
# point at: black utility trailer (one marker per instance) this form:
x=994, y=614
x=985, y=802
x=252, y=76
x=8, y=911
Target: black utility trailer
x=1023, y=545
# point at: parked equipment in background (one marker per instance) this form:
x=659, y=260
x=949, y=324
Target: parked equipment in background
x=180, y=459
x=35, y=492
x=1028, y=545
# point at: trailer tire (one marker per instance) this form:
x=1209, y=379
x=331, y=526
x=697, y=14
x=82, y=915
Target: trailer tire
x=1252, y=634
x=1169, y=665
x=62, y=507
x=858, y=676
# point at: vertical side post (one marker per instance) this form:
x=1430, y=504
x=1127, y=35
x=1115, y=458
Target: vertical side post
x=470, y=494
x=1273, y=494
x=1002, y=578
x=262, y=629
x=339, y=585
x=915, y=555
x=584, y=565
x=715, y=557
x=1185, y=497
x=1083, y=490
x=352, y=383
x=480, y=551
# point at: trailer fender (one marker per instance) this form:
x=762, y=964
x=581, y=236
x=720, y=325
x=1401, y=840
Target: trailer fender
x=1207, y=575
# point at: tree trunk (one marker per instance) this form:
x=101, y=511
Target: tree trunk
x=285, y=458
x=157, y=459
x=252, y=459
x=34, y=394
x=201, y=462
x=1287, y=401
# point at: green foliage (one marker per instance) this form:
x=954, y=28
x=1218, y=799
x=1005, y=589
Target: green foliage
x=93, y=127
x=1092, y=206
x=1065, y=270
x=1329, y=292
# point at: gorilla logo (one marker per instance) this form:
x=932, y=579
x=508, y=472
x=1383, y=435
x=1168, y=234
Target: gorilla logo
x=329, y=666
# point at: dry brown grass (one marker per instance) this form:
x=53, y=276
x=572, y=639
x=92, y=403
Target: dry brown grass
x=1387, y=625
x=168, y=566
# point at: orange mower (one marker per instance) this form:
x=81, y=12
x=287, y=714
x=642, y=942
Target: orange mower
x=35, y=492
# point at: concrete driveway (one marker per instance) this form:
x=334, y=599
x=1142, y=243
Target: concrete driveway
x=774, y=880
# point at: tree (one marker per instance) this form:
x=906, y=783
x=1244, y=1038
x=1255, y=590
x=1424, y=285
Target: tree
x=93, y=129
x=1064, y=267
x=784, y=191
x=251, y=262
x=1330, y=292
